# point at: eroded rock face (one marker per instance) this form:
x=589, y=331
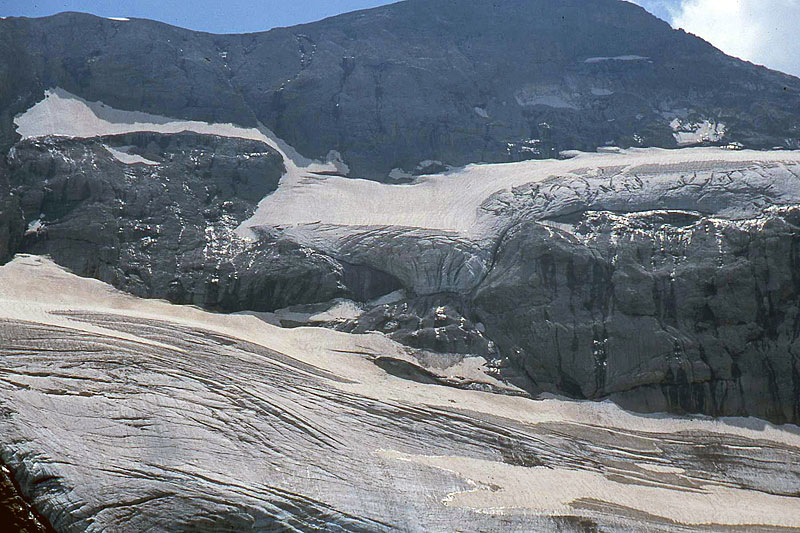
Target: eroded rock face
x=164, y=227
x=683, y=319
x=12, y=223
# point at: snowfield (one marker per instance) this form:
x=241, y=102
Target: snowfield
x=129, y=159
x=450, y=202
x=62, y=114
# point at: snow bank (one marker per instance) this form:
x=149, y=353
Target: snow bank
x=617, y=58
x=63, y=114
x=123, y=156
x=450, y=202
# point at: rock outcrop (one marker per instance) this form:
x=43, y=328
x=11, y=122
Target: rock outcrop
x=162, y=225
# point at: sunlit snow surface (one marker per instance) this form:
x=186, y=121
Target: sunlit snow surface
x=616, y=58
x=63, y=114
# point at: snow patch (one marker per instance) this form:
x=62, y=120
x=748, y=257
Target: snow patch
x=601, y=92
x=392, y=297
x=119, y=19
x=617, y=58
x=450, y=201
x=688, y=133
x=62, y=114
x=35, y=227
x=123, y=156
x=481, y=112
x=398, y=174
x=527, y=98
x=340, y=311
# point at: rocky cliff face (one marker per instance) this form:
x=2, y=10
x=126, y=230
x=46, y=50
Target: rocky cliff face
x=155, y=215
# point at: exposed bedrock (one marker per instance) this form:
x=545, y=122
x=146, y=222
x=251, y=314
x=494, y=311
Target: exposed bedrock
x=696, y=319
x=164, y=227
x=436, y=323
x=11, y=220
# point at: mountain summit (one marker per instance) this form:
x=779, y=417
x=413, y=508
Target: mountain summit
x=420, y=81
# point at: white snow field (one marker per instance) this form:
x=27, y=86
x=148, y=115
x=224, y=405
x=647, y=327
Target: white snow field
x=450, y=202
x=616, y=58
x=121, y=155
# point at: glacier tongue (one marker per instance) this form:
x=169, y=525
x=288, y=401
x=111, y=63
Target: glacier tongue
x=115, y=407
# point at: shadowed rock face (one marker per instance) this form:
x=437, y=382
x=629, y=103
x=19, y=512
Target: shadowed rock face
x=453, y=81
x=12, y=224
x=683, y=319
x=164, y=228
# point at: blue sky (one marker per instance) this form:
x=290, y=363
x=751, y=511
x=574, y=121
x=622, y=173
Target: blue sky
x=761, y=31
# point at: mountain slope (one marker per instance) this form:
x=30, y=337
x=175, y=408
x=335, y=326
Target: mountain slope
x=664, y=280
x=454, y=81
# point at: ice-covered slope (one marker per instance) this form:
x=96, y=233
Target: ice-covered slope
x=452, y=202
x=63, y=114
x=119, y=411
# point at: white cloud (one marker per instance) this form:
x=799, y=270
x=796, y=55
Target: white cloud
x=761, y=31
